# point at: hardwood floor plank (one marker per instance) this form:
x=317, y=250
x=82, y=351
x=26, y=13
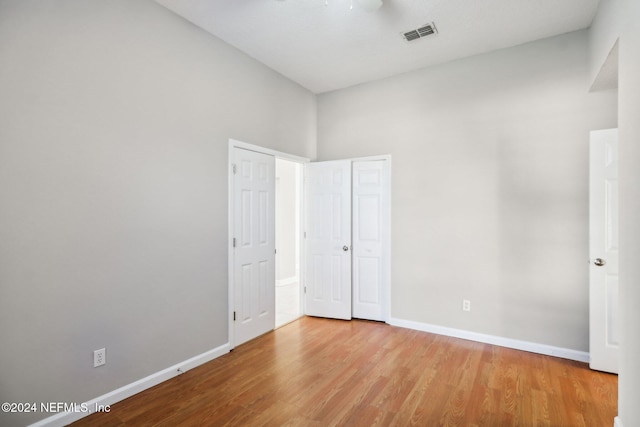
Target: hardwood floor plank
x=322, y=372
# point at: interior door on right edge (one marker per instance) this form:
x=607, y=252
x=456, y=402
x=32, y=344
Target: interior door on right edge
x=328, y=239
x=604, y=311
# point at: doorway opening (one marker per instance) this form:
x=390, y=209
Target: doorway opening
x=288, y=216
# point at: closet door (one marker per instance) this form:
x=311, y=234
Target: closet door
x=328, y=239
x=347, y=239
x=370, y=238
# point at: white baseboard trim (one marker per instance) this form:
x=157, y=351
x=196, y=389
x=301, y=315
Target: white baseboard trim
x=287, y=281
x=617, y=422
x=64, y=418
x=548, y=350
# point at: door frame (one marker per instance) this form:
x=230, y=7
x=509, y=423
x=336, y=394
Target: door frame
x=230, y=217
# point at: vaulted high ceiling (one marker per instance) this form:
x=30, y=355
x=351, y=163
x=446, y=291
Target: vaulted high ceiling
x=326, y=45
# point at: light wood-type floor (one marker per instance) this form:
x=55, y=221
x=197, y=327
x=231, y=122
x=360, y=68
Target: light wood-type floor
x=321, y=372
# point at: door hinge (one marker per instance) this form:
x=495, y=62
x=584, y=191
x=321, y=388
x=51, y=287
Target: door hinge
x=305, y=289
x=233, y=166
x=305, y=234
x=234, y=242
x=275, y=251
x=234, y=316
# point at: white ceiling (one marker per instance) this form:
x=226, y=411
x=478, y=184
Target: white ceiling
x=330, y=46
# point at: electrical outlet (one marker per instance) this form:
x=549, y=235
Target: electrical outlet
x=466, y=305
x=99, y=357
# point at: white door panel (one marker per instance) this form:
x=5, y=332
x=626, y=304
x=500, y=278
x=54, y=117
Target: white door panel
x=370, y=208
x=328, y=239
x=254, y=252
x=603, y=247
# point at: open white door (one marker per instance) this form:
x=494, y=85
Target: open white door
x=370, y=238
x=603, y=251
x=253, y=244
x=328, y=239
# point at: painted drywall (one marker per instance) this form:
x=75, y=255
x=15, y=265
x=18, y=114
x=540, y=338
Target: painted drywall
x=115, y=118
x=629, y=114
x=603, y=33
x=619, y=19
x=629, y=110
x=489, y=186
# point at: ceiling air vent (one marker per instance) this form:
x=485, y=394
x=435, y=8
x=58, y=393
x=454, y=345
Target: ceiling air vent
x=418, y=33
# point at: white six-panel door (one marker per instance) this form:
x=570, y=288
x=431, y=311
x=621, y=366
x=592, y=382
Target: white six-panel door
x=604, y=316
x=254, y=244
x=370, y=238
x=328, y=239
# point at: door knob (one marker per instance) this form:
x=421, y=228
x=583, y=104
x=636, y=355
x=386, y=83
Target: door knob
x=599, y=262
x=345, y=248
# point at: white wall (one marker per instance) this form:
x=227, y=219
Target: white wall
x=287, y=233
x=490, y=186
x=115, y=118
x=619, y=19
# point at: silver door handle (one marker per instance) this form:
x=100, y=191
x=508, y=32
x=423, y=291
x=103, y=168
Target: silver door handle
x=599, y=262
x=345, y=248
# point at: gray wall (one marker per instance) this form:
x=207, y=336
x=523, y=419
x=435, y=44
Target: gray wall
x=489, y=186
x=619, y=19
x=114, y=125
